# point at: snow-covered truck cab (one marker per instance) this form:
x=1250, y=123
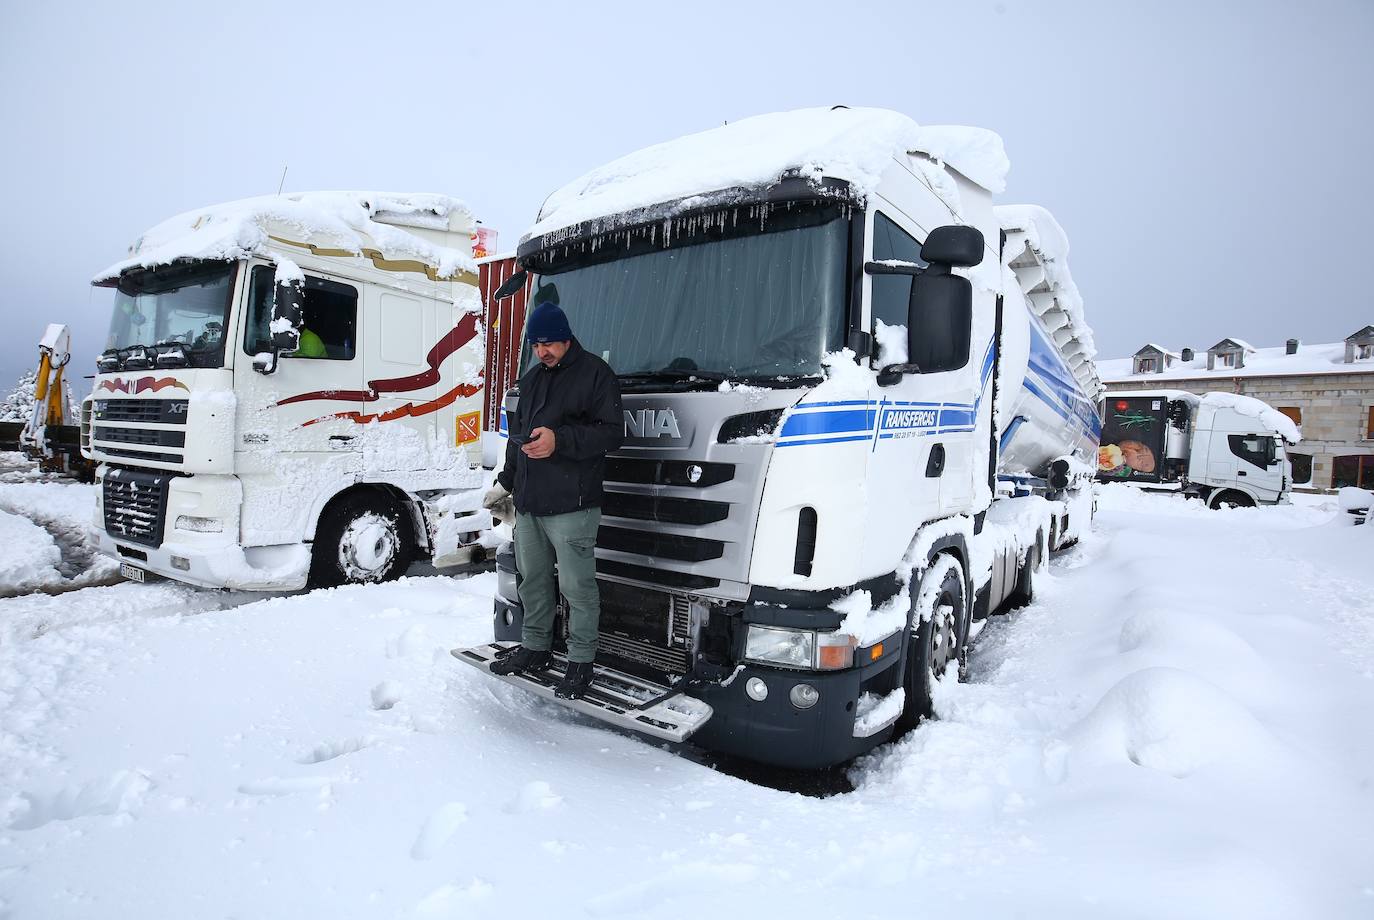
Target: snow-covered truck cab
x=290, y=393
x=793, y=533
x=1225, y=449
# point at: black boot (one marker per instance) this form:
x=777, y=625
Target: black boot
x=521, y=661
x=574, y=684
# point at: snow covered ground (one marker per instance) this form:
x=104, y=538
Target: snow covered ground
x=1179, y=726
x=43, y=521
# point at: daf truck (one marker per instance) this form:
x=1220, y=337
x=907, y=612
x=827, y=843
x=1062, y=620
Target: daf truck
x=859, y=410
x=291, y=393
x=1225, y=449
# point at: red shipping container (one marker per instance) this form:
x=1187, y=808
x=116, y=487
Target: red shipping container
x=504, y=322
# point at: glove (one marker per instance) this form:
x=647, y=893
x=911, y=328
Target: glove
x=498, y=501
x=495, y=495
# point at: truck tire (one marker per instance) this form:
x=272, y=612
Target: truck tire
x=1024, y=591
x=938, y=612
x=362, y=539
x=1230, y=498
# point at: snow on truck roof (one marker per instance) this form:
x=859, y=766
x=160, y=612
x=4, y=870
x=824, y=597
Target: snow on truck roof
x=852, y=144
x=387, y=227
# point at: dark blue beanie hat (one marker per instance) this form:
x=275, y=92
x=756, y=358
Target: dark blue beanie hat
x=548, y=323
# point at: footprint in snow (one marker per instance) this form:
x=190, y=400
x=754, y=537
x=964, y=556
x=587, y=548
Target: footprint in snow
x=289, y=785
x=331, y=749
x=115, y=795
x=437, y=831
x=533, y=797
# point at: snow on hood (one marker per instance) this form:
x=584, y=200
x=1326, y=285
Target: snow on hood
x=1268, y=416
x=351, y=221
x=855, y=145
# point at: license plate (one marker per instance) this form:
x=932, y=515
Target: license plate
x=129, y=572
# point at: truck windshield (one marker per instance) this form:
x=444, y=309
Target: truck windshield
x=176, y=313
x=746, y=293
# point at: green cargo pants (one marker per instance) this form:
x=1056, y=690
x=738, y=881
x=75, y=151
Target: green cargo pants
x=571, y=540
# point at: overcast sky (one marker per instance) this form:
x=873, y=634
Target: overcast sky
x=1209, y=161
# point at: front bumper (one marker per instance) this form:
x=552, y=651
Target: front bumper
x=205, y=559
x=254, y=568
x=773, y=730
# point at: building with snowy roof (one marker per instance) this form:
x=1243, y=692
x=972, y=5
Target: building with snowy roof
x=1327, y=389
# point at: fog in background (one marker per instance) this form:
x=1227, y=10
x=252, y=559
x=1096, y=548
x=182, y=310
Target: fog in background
x=1209, y=161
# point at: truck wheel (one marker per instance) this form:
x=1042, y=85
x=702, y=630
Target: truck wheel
x=933, y=641
x=361, y=540
x=1024, y=592
x=1230, y=498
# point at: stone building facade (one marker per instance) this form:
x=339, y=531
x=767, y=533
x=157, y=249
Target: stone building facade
x=1328, y=390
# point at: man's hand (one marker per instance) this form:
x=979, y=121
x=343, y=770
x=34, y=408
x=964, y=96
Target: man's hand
x=540, y=444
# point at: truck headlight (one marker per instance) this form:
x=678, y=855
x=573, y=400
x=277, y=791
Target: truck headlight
x=799, y=648
x=199, y=524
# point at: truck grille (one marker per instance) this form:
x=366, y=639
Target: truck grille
x=135, y=505
x=659, y=545
x=642, y=628
x=162, y=411
x=663, y=509
x=148, y=436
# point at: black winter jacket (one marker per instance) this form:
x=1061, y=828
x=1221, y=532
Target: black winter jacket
x=579, y=400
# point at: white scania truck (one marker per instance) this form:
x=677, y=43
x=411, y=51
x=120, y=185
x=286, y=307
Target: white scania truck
x=859, y=408
x=291, y=393
x=1223, y=448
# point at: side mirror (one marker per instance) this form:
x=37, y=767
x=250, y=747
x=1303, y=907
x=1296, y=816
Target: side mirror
x=939, y=318
x=284, y=331
x=940, y=311
x=288, y=314
x=512, y=285
x=954, y=245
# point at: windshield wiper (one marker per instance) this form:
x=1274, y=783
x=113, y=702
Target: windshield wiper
x=672, y=378
x=683, y=379
x=675, y=374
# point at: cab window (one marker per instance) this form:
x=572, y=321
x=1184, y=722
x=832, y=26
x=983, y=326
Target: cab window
x=329, y=330
x=892, y=293
x=1253, y=448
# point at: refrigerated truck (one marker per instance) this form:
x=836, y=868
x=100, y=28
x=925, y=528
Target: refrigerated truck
x=291, y=393
x=859, y=408
x=1226, y=449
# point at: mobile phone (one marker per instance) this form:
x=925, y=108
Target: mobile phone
x=519, y=440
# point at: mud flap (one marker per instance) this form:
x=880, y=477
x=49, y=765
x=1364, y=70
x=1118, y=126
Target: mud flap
x=615, y=697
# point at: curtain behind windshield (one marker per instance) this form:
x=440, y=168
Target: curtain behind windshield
x=174, y=305
x=769, y=304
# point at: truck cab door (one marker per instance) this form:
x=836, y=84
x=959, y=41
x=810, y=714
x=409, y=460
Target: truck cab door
x=1264, y=465
x=311, y=401
x=1256, y=463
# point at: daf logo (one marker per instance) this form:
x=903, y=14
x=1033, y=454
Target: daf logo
x=651, y=423
x=176, y=408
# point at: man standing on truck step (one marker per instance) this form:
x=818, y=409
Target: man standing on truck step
x=567, y=420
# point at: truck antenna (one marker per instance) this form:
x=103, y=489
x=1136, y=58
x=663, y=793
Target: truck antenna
x=283, y=179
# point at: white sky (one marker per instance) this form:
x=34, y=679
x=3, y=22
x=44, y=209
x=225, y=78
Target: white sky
x=1209, y=161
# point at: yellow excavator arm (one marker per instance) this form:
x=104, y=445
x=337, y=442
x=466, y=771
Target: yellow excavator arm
x=49, y=393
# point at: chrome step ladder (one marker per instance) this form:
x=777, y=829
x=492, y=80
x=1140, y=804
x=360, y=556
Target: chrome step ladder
x=614, y=696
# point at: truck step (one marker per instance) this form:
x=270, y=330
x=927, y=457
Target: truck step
x=614, y=696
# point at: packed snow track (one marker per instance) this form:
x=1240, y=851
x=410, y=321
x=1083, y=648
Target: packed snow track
x=1177, y=727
